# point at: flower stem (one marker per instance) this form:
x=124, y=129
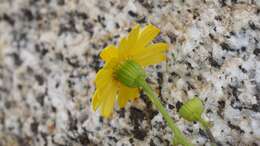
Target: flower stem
x=206, y=126
x=179, y=137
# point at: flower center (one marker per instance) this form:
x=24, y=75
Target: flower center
x=129, y=73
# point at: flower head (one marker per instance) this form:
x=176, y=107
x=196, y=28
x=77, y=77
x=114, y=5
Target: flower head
x=192, y=109
x=134, y=52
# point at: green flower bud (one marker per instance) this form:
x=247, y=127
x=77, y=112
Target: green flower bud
x=129, y=73
x=192, y=109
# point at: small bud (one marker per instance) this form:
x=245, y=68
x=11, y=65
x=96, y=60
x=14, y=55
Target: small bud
x=129, y=73
x=192, y=109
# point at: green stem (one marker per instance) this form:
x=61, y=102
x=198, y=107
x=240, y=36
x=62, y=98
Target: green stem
x=204, y=123
x=206, y=126
x=179, y=136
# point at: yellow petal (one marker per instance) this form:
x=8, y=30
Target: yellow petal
x=152, y=50
x=109, y=52
x=154, y=59
x=122, y=101
x=109, y=97
x=103, y=77
x=152, y=54
x=125, y=93
x=104, y=95
x=123, y=47
x=147, y=35
x=127, y=44
x=133, y=35
x=95, y=101
x=158, y=47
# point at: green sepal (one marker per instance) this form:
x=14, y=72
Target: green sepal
x=192, y=109
x=129, y=73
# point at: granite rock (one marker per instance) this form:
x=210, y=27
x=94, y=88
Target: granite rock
x=49, y=55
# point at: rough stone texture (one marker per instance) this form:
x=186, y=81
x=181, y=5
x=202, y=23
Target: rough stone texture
x=49, y=57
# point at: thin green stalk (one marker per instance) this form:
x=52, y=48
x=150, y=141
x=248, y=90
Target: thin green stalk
x=179, y=136
x=206, y=126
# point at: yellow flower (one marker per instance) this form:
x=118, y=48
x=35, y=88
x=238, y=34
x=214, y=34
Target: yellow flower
x=136, y=47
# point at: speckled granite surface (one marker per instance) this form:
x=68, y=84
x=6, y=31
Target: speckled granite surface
x=49, y=56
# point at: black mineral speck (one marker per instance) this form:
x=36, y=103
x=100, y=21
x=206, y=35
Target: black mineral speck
x=152, y=143
x=257, y=51
x=72, y=122
x=132, y=13
x=147, y=4
x=121, y=113
x=101, y=20
x=172, y=37
x=20, y=87
x=117, y=25
x=190, y=130
x=43, y=51
x=226, y=47
x=68, y=27
x=22, y=140
x=17, y=60
x=8, y=104
x=252, y=25
x=70, y=83
x=152, y=113
x=203, y=133
x=257, y=11
x=40, y=99
x=235, y=127
x=73, y=62
x=236, y=104
x=234, y=91
x=112, y=138
x=39, y=79
x=243, y=49
x=178, y=105
x=218, y=18
x=8, y=19
x=84, y=138
x=139, y=133
x=190, y=86
x=234, y=1
x=95, y=62
x=223, y=3
x=211, y=36
x=221, y=106
x=59, y=56
x=88, y=27
x=28, y=14
x=170, y=106
x=160, y=78
x=53, y=109
x=242, y=69
x=256, y=107
x=136, y=115
x=174, y=74
x=131, y=140
x=82, y=15
x=141, y=20
x=61, y=2
x=209, y=111
x=34, y=127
